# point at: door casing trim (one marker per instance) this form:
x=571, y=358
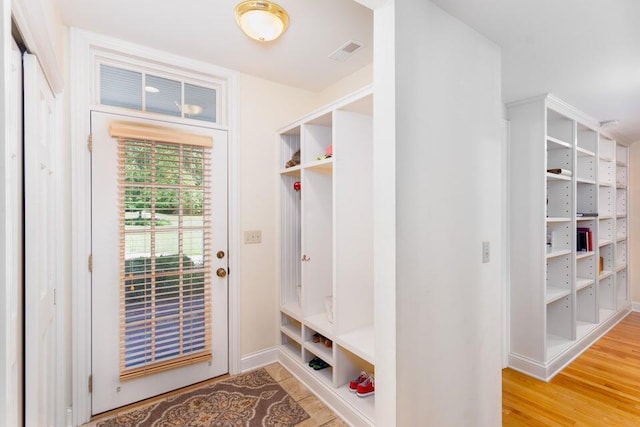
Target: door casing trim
x=82, y=46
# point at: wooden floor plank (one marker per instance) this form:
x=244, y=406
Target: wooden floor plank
x=600, y=388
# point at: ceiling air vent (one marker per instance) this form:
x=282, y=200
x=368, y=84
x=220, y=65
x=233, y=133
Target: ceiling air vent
x=345, y=51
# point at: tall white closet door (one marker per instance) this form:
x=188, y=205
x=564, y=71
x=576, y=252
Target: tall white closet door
x=42, y=225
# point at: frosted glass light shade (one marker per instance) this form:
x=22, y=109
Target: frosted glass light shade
x=261, y=20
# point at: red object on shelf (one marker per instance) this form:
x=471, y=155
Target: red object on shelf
x=297, y=186
x=329, y=151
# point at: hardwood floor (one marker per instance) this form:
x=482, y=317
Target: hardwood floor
x=600, y=388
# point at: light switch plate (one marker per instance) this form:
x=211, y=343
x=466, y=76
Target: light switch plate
x=486, y=252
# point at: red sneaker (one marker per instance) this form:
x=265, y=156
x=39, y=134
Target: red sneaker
x=353, y=385
x=367, y=387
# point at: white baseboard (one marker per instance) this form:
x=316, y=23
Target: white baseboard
x=635, y=306
x=258, y=359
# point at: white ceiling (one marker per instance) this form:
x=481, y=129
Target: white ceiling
x=206, y=30
x=587, y=52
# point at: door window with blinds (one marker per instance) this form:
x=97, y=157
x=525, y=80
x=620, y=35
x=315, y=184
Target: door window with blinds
x=165, y=264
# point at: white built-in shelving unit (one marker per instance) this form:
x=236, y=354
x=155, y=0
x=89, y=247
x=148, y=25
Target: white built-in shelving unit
x=326, y=247
x=563, y=299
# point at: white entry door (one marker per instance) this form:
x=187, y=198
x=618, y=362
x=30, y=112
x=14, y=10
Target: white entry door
x=42, y=245
x=159, y=257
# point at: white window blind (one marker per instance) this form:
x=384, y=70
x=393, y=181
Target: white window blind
x=165, y=265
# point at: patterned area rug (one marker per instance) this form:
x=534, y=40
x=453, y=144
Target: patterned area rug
x=247, y=400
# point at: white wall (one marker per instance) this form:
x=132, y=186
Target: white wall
x=448, y=200
x=634, y=222
x=264, y=107
x=351, y=83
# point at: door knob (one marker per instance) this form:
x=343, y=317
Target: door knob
x=221, y=272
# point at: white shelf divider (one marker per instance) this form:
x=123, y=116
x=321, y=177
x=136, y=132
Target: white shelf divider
x=360, y=343
x=583, y=283
x=555, y=293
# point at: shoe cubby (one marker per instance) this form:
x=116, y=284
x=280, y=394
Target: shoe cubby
x=324, y=374
x=606, y=298
x=349, y=367
x=291, y=327
x=622, y=287
x=319, y=344
x=292, y=347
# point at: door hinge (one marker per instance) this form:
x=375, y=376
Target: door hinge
x=90, y=143
x=90, y=383
x=90, y=263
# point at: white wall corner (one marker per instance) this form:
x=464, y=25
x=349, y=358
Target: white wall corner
x=259, y=359
x=635, y=306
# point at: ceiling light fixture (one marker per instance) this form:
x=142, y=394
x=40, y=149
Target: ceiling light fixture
x=261, y=20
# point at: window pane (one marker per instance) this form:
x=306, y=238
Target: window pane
x=163, y=95
x=199, y=103
x=120, y=88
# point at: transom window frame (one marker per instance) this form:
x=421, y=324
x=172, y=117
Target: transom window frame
x=86, y=48
x=178, y=74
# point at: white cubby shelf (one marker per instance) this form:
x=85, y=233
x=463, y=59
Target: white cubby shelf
x=326, y=248
x=561, y=298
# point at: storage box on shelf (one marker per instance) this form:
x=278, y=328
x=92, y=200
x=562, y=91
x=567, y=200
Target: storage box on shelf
x=326, y=246
x=560, y=299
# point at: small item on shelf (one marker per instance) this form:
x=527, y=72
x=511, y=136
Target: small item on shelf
x=353, y=385
x=564, y=172
x=587, y=214
x=601, y=266
x=366, y=387
x=549, y=241
x=328, y=304
x=297, y=186
x=316, y=363
x=328, y=343
x=327, y=154
x=316, y=337
x=295, y=160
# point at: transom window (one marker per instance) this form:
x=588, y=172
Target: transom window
x=138, y=90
